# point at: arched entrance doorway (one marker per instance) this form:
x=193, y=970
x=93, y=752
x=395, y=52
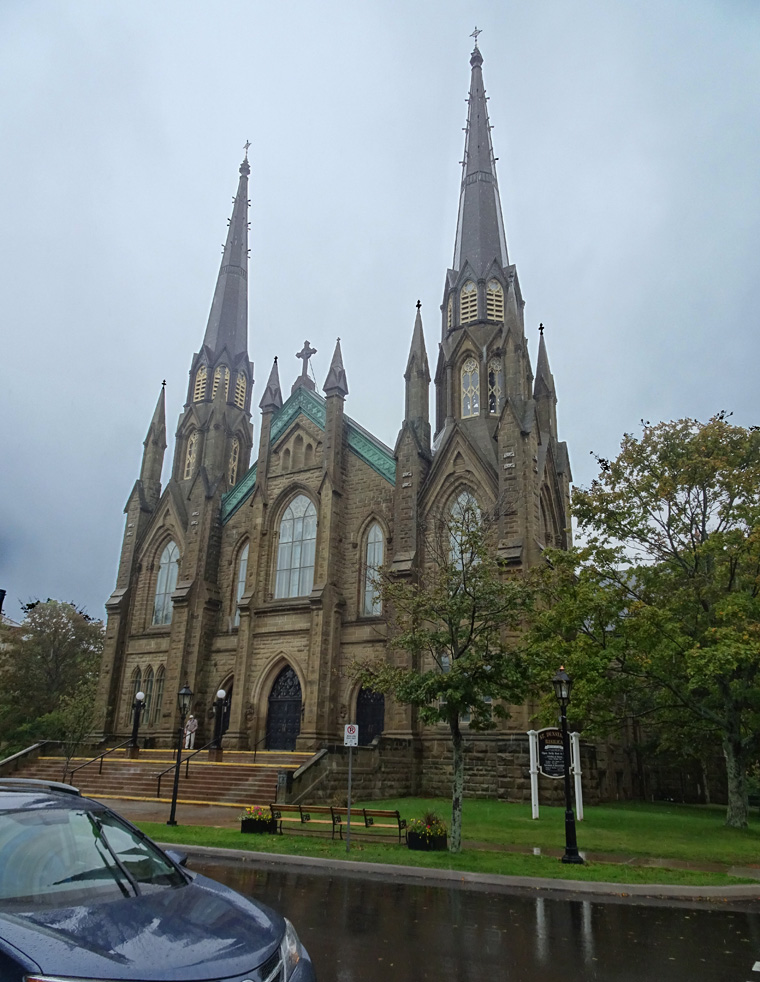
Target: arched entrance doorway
x=284, y=712
x=370, y=715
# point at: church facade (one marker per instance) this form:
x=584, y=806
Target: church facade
x=252, y=570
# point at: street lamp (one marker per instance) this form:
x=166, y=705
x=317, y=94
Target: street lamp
x=562, y=685
x=221, y=695
x=136, y=712
x=184, y=699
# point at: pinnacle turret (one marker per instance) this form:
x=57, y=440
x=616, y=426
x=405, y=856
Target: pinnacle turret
x=155, y=445
x=335, y=383
x=271, y=401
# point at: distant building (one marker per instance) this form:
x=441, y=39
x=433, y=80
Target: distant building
x=256, y=577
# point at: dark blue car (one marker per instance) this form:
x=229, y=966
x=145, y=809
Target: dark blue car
x=84, y=895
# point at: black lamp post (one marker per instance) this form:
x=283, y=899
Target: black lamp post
x=137, y=709
x=219, y=718
x=184, y=699
x=562, y=686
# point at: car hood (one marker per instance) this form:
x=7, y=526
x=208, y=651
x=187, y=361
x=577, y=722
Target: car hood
x=202, y=930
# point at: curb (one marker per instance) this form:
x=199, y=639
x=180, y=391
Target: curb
x=468, y=880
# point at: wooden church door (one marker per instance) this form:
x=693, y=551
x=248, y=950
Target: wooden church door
x=284, y=715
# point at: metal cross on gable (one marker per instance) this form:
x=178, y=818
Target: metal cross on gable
x=475, y=34
x=306, y=353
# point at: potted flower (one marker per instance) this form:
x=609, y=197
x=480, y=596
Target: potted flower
x=257, y=818
x=427, y=833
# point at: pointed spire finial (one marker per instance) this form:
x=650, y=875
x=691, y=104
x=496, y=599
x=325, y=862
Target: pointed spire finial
x=419, y=304
x=163, y=384
x=271, y=401
x=541, y=329
x=475, y=34
x=335, y=383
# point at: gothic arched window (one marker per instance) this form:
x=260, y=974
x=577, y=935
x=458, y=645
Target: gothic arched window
x=495, y=386
x=470, y=388
x=240, y=387
x=373, y=560
x=221, y=377
x=201, y=376
x=135, y=684
x=468, y=303
x=242, y=571
x=148, y=690
x=158, y=695
x=191, y=455
x=494, y=301
x=234, y=458
x=166, y=583
x=295, y=554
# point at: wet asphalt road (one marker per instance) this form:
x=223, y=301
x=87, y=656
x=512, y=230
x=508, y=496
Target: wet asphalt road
x=360, y=930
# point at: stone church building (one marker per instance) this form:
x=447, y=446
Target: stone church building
x=252, y=569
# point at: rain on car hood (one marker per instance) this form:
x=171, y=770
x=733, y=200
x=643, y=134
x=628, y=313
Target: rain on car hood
x=203, y=929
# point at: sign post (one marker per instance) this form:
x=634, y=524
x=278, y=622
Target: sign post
x=350, y=740
x=547, y=757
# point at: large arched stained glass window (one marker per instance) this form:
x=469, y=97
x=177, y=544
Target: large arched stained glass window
x=373, y=560
x=295, y=555
x=464, y=516
x=242, y=571
x=166, y=584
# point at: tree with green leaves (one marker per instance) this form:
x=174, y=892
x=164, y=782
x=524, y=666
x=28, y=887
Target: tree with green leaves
x=44, y=662
x=454, y=632
x=657, y=613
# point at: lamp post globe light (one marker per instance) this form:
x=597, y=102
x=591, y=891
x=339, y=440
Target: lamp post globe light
x=184, y=700
x=562, y=686
x=221, y=695
x=136, y=711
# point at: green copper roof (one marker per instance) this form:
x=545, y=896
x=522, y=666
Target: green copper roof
x=304, y=402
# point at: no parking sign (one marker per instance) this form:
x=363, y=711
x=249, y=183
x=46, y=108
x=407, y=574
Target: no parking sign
x=351, y=735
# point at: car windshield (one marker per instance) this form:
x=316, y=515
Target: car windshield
x=66, y=856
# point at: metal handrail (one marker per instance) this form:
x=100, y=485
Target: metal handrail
x=256, y=747
x=185, y=761
x=127, y=743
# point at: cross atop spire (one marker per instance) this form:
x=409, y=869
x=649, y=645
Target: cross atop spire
x=475, y=34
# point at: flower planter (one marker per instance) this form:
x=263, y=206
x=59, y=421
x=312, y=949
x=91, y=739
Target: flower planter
x=258, y=825
x=433, y=843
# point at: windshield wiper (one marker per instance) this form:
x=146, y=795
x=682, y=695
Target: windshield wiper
x=101, y=834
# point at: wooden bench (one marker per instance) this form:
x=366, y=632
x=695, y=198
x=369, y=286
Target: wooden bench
x=377, y=819
x=302, y=815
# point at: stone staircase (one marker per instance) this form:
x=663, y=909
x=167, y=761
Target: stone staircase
x=236, y=780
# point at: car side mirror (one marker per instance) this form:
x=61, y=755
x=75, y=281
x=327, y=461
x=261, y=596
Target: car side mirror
x=180, y=858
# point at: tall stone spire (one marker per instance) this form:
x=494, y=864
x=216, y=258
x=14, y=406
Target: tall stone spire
x=480, y=238
x=228, y=321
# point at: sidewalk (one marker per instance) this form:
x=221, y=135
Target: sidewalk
x=227, y=816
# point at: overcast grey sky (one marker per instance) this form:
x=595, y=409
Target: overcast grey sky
x=627, y=138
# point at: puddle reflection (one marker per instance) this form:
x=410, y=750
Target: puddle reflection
x=360, y=930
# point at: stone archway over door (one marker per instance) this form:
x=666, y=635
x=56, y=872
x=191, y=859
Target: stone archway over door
x=284, y=711
x=370, y=715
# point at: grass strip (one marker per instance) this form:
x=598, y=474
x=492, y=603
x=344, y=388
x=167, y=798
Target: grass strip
x=474, y=860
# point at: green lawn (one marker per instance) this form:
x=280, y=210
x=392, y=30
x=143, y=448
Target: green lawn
x=633, y=829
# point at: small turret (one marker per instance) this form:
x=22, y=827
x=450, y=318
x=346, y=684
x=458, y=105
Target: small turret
x=153, y=454
x=544, y=391
x=417, y=377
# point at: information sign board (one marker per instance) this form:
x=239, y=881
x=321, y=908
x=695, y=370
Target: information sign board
x=551, y=755
x=351, y=735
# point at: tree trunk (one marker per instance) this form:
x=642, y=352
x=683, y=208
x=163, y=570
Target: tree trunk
x=457, y=787
x=704, y=764
x=736, y=776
